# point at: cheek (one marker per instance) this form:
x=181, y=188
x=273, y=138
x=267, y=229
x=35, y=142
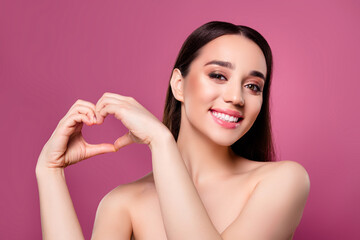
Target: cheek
x=199, y=90
x=253, y=108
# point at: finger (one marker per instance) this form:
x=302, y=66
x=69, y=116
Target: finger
x=104, y=102
x=105, y=96
x=96, y=149
x=123, y=141
x=114, y=109
x=82, y=103
x=83, y=109
x=113, y=95
x=77, y=118
x=89, y=112
x=111, y=98
x=72, y=123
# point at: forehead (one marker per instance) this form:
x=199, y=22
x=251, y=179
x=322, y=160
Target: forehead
x=240, y=51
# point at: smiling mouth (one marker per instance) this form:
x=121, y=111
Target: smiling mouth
x=226, y=117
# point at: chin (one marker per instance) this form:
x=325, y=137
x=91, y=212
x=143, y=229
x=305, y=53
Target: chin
x=226, y=142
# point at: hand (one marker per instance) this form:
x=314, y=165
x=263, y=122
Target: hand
x=66, y=145
x=143, y=126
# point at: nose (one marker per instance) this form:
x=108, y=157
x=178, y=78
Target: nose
x=233, y=94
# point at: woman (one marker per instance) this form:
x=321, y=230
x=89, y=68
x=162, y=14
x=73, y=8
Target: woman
x=212, y=177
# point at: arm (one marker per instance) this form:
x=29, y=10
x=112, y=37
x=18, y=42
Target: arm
x=66, y=146
x=59, y=220
x=184, y=214
x=273, y=211
x=58, y=217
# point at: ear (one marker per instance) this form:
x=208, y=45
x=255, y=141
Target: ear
x=177, y=85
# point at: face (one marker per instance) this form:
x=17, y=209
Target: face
x=222, y=93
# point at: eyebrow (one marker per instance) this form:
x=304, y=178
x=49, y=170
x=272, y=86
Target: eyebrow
x=231, y=66
x=257, y=74
x=221, y=63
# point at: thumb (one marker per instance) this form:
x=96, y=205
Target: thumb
x=123, y=141
x=96, y=149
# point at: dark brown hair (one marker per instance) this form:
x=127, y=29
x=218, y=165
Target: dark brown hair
x=257, y=143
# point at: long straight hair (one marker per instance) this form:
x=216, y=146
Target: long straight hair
x=257, y=143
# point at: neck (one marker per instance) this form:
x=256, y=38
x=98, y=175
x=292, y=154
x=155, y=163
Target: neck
x=204, y=159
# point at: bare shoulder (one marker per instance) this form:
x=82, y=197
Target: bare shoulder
x=125, y=194
x=276, y=202
x=288, y=177
x=113, y=216
x=134, y=188
x=290, y=171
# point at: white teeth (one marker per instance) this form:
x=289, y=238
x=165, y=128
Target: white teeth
x=224, y=117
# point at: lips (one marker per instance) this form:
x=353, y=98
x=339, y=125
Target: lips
x=225, y=123
x=228, y=112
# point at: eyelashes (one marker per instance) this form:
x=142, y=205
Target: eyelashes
x=217, y=76
x=253, y=87
x=220, y=77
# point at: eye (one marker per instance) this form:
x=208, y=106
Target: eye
x=253, y=87
x=217, y=76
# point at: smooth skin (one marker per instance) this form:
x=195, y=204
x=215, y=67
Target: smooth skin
x=198, y=189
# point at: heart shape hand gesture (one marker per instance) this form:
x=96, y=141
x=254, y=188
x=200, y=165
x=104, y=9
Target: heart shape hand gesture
x=67, y=146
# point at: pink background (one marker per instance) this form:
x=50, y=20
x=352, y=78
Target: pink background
x=55, y=52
